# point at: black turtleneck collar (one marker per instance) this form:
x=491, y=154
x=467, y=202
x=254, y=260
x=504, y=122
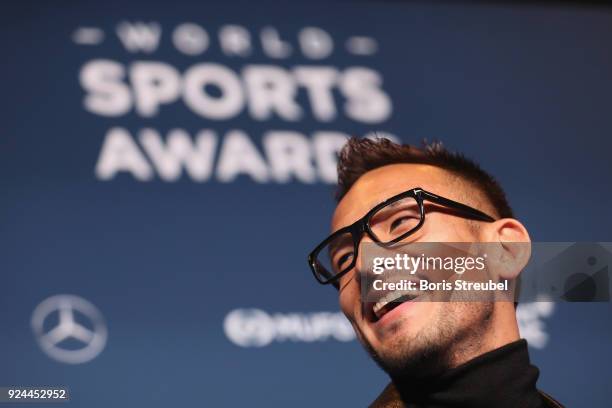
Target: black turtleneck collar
x=500, y=378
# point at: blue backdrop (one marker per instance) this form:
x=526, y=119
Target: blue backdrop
x=165, y=169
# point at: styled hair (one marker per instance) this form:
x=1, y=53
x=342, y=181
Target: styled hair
x=359, y=156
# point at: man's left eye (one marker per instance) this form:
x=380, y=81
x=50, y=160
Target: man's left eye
x=402, y=220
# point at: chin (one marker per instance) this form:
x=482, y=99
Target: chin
x=413, y=351
x=416, y=342
x=420, y=345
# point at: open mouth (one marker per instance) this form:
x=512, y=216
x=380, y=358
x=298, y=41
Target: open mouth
x=390, y=301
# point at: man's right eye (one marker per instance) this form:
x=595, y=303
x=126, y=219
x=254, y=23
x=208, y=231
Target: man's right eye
x=344, y=260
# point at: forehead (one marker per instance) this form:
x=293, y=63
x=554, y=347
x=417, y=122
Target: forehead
x=379, y=184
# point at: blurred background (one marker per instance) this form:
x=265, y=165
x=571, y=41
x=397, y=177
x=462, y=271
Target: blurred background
x=167, y=166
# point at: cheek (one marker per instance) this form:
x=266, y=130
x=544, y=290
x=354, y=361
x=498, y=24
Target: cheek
x=349, y=300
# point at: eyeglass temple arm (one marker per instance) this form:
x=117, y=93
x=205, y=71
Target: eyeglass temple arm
x=477, y=214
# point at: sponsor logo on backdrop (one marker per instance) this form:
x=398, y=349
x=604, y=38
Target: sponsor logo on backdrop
x=257, y=328
x=531, y=318
x=228, y=79
x=69, y=329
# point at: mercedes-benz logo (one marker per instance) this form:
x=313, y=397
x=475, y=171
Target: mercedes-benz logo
x=91, y=338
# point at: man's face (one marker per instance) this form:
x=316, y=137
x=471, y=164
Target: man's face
x=414, y=335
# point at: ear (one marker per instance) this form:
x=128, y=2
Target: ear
x=513, y=248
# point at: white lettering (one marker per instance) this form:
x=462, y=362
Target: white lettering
x=231, y=101
x=120, y=153
x=107, y=94
x=289, y=154
x=154, y=83
x=315, y=42
x=319, y=82
x=273, y=46
x=235, y=40
x=367, y=102
x=190, y=39
x=180, y=151
x=326, y=148
x=238, y=155
x=271, y=90
x=139, y=36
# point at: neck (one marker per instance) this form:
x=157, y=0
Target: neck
x=502, y=330
x=502, y=378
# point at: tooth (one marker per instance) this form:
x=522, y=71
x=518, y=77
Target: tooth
x=385, y=300
x=390, y=297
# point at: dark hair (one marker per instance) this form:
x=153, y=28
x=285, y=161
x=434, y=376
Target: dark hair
x=359, y=156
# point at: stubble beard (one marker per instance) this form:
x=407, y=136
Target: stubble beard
x=453, y=336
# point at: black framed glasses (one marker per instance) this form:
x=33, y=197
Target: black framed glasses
x=387, y=223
